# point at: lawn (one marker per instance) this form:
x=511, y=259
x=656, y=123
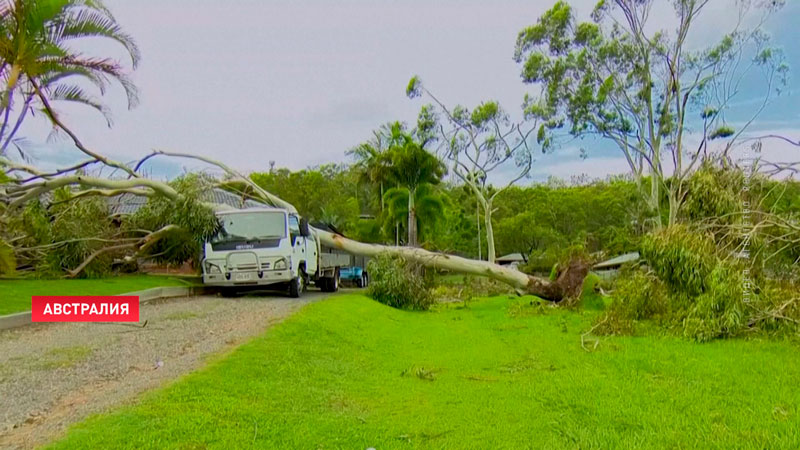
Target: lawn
x=351, y=373
x=16, y=294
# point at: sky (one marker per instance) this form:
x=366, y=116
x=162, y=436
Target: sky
x=300, y=82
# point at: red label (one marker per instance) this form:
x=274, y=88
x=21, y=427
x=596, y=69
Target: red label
x=84, y=308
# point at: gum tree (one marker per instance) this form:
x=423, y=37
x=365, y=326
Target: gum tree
x=643, y=90
x=478, y=143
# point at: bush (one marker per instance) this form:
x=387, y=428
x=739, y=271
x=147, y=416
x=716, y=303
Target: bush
x=714, y=193
x=397, y=283
x=196, y=222
x=720, y=311
x=62, y=235
x=639, y=295
x=682, y=258
x=689, y=287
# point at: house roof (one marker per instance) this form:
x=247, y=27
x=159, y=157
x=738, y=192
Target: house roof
x=130, y=203
x=618, y=261
x=511, y=257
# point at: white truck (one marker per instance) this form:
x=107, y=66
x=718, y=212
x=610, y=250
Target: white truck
x=265, y=247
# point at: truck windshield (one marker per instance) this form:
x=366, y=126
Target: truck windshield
x=250, y=226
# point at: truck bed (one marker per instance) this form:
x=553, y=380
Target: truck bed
x=327, y=260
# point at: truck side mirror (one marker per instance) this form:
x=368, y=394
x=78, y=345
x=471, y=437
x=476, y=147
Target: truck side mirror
x=304, y=231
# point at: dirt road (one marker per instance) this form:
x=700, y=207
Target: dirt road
x=53, y=375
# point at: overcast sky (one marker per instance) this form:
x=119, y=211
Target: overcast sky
x=300, y=82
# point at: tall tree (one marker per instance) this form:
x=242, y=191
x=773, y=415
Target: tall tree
x=477, y=143
x=412, y=167
x=371, y=156
x=616, y=78
x=38, y=65
x=429, y=206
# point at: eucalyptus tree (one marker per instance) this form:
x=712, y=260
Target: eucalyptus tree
x=477, y=143
x=38, y=65
x=646, y=90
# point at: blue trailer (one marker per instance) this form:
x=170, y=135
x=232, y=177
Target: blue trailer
x=354, y=274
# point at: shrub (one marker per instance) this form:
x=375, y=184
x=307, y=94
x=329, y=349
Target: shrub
x=62, y=235
x=681, y=258
x=777, y=308
x=689, y=288
x=397, y=283
x=639, y=295
x=195, y=220
x=720, y=311
x=714, y=193
x=8, y=263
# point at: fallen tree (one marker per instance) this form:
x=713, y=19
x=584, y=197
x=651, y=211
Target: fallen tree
x=20, y=190
x=568, y=283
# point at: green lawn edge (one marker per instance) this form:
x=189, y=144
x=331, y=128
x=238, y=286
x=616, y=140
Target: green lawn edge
x=502, y=373
x=15, y=294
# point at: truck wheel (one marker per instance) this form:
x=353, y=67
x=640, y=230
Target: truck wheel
x=360, y=282
x=334, y=283
x=298, y=285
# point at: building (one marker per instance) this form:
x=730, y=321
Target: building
x=610, y=268
x=127, y=203
x=512, y=260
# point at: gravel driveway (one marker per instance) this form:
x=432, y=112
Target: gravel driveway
x=53, y=375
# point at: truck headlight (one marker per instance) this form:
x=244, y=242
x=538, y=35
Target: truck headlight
x=213, y=268
x=279, y=264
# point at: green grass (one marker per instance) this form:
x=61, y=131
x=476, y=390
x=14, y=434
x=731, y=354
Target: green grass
x=16, y=294
x=503, y=373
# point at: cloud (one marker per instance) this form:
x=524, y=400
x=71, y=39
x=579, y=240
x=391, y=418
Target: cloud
x=249, y=82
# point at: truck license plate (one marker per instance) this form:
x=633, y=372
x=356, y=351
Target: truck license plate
x=243, y=277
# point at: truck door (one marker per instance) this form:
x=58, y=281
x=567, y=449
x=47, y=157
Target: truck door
x=298, y=242
x=312, y=258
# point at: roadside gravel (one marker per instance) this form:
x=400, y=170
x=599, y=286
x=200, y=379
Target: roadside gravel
x=53, y=375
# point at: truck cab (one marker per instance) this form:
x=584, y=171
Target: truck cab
x=262, y=247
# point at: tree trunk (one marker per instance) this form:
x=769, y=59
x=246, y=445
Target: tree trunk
x=673, y=207
x=412, y=219
x=490, y=252
x=478, y=221
x=655, y=196
x=382, y=201
x=568, y=284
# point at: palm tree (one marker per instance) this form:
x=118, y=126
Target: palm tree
x=412, y=167
x=372, y=159
x=428, y=207
x=37, y=64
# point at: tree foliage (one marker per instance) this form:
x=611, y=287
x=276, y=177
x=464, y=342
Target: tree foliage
x=643, y=90
x=40, y=66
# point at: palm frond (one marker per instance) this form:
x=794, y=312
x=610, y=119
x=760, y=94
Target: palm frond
x=92, y=23
x=72, y=93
